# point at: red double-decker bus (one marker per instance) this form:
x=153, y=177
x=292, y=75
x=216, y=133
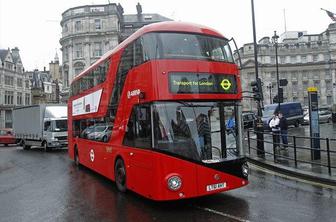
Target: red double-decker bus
x=160, y=114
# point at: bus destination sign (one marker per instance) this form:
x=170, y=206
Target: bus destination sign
x=202, y=83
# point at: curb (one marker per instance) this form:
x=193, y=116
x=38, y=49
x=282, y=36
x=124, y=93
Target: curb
x=289, y=171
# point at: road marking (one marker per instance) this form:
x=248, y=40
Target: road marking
x=222, y=214
x=293, y=178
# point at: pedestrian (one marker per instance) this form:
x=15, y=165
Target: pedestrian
x=283, y=129
x=274, y=124
x=230, y=125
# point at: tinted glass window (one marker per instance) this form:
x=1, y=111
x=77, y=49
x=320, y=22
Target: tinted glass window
x=139, y=131
x=186, y=46
x=61, y=125
x=47, y=126
x=90, y=79
x=99, y=129
x=204, y=131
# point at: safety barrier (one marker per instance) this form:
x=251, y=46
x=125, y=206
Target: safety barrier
x=297, y=152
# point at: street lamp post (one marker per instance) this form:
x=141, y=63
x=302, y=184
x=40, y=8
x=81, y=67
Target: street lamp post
x=270, y=87
x=275, y=38
x=259, y=126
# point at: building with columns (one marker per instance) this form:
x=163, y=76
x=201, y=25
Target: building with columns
x=91, y=30
x=14, y=85
x=305, y=60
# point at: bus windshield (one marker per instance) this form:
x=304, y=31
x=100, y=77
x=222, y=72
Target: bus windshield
x=186, y=46
x=194, y=130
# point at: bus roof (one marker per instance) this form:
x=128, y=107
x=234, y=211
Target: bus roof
x=169, y=26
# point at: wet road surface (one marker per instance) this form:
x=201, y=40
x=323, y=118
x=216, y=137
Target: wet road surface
x=38, y=186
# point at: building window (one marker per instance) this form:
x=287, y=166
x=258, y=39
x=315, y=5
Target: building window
x=303, y=59
x=27, y=84
x=9, y=97
x=9, y=80
x=19, y=98
x=66, y=78
x=293, y=59
x=8, y=119
x=78, y=26
x=19, y=82
x=97, y=24
x=97, y=49
x=294, y=87
x=329, y=100
x=315, y=58
x=66, y=54
x=27, y=99
x=9, y=66
x=328, y=85
x=65, y=28
x=273, y=75
x=79, y=50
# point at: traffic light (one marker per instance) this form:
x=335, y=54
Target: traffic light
x=279, y=97
x=257, y=90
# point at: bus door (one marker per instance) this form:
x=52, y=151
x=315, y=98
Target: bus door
x=138, y=138
x=223, y=138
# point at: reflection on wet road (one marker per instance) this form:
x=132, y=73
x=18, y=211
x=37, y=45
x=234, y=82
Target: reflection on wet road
x=38, y=186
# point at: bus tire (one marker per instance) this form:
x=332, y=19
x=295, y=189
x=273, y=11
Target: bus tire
x=76, y=157
x=120, y=175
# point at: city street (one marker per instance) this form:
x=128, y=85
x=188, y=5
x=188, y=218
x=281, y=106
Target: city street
x=39, y=186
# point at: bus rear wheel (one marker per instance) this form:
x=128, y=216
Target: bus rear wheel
x=120, y=175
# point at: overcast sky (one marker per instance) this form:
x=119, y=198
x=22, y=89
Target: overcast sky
x=34, y=25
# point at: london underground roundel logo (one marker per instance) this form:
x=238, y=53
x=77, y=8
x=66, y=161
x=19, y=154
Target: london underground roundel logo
x=92, y=155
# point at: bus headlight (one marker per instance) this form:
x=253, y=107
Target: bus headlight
x=174, y=183
x=245, y=170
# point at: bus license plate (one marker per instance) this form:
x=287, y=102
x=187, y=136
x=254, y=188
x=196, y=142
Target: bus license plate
x=217, y=186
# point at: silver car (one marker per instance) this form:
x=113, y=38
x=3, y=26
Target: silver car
x=324, y=117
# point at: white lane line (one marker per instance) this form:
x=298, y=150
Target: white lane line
x=222, y=214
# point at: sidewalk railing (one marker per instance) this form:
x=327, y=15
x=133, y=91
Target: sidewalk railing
x=298, y=152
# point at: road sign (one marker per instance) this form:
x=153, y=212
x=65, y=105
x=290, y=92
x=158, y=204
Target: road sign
x=312, y=89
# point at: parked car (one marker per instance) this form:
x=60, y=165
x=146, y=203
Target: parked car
x=291, y=110
x=248, y=119
x=98, y=132
x=7, y=136
x=325, y=116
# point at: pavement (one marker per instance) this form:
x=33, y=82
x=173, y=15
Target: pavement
x=283, y=161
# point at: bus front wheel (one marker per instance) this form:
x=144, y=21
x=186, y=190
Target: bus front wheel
x=120, y=175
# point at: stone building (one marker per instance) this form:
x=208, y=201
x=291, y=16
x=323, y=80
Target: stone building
x=90, y=31
x=55, y=69
x=305, y=60
x=14, y=85
x=44, y=88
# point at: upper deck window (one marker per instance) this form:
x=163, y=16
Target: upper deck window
x=186, y=46
x=94, y=77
